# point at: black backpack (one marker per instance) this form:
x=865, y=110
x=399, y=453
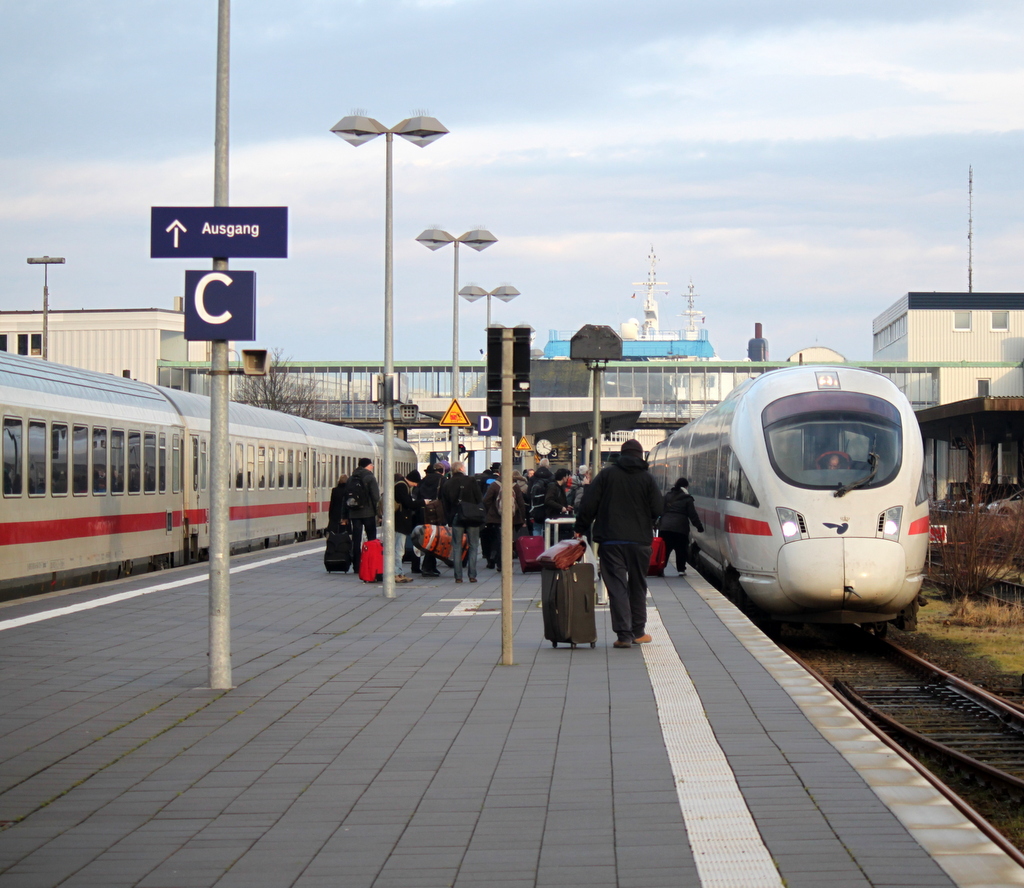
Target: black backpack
x=538, y=492
x=356, y=495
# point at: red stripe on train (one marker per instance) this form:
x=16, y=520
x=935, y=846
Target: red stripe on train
x=750, y=526
x=919, y=526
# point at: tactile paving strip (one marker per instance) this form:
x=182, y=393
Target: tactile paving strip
x=726, y=844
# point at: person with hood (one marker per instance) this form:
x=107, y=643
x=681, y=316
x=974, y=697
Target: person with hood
x=674, y=526
x=361, y=497
x=622, y=506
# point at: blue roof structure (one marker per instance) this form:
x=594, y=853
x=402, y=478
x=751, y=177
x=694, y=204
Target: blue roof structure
x=642, y=349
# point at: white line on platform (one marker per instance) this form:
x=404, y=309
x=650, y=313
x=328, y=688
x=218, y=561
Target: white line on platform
x=467, y=607
x=135, y=593
x=727, y=847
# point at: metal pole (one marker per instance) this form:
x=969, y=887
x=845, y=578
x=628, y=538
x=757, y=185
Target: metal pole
x=595, y=453
x=220, y=541
x=46, y=309
x=455, y=351
x=488, y=327
x=508, y=496
x=388, y=470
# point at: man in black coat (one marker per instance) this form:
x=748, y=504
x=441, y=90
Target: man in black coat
x=622, y=504
x=462, y=489
x=364, y=515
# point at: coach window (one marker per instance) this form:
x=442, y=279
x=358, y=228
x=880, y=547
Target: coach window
x=116, y=461
x=195, y=462
x=134, y=462
x=291, y=467
x=261, y=469
x=202, y=464
x=239, y=465
x=99, y=461
x=58, y=459
x=36, y=458
x=272, y=467
x=80, y=460
x=161, y=472
x=250, y=477
x=177, y=469
x=13, y=449
x=149, y=462
x=280, y=468
x=300, y=464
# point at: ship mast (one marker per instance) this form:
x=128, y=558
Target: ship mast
x=650, y=327
x=691, y=314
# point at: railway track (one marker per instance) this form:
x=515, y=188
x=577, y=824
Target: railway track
x=975, y=733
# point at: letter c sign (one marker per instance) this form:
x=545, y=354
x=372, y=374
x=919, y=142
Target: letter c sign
x=220, y=305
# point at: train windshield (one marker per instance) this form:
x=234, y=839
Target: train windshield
x=825, y=440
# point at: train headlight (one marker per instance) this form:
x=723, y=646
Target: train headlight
x=793, y=526
x=889, y=523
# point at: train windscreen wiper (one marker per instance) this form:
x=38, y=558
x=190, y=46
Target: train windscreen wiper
x=844, y=489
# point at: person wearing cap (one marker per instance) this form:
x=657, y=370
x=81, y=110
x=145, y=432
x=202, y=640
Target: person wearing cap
x=621, y=506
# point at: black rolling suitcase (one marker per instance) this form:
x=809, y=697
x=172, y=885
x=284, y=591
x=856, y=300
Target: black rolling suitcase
x=568, y=600
x=338, y=554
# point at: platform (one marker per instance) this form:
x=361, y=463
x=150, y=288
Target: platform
x=378, y=743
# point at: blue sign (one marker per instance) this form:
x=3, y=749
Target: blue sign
x=488, y=425
x=220, y=305
x=218, y=232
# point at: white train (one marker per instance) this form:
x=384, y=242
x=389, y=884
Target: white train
x=103, y=476
x=809, y=483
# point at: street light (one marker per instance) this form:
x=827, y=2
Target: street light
x=433, y=239
x=506, y=293
x=357, y=129
x=45, y=261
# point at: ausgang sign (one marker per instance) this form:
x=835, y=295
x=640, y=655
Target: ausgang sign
x=218, y=232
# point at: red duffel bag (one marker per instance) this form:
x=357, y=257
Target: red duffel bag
x=563, y=555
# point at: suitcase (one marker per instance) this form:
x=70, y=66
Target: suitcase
x=659, y=558
x=371, y=562
x=528, y=548
x=568, y=601
x=338, y=554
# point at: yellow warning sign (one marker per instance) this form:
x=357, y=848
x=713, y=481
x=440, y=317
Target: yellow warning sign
x=455, y=415
x=523, y=445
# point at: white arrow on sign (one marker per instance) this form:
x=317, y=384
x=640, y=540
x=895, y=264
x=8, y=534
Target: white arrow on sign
x=176, y=226
x=206, y=279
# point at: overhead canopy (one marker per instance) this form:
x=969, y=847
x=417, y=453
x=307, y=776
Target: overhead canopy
x=985, y=420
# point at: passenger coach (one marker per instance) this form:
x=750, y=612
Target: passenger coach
x=103, y=476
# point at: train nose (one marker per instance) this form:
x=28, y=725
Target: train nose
x=857, y=574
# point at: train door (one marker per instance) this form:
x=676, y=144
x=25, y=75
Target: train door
x=195, y=499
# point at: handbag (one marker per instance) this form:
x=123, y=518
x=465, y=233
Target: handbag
x=433, y=512
x=469, y=514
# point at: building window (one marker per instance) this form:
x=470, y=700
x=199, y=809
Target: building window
x=37, y=343
x=961, y=320
x=984, y=388
x=23, y=343
x=1000, y=320
x=3, y=342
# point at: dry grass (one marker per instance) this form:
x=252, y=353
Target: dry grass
x=986, y=614
x=993, y=638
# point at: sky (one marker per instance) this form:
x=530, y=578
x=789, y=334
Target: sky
x=803, y=162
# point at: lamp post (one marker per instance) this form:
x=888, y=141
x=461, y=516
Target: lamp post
x=357, y=129
x=433, y=239
x=46, y=262
x=506, y=293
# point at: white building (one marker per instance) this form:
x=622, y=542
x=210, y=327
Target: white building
x=982, y=329
x=123, y=342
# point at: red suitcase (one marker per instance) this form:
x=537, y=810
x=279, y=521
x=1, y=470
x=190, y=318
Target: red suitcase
x=528, y=548
x=659, y=558
x=371, y=562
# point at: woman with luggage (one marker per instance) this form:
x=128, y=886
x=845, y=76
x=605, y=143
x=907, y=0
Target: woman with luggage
x=674, y=527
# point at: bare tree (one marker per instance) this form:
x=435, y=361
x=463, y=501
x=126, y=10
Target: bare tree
x=982, y=546
x=282, y=390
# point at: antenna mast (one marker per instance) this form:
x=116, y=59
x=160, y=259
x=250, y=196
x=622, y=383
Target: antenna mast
x=970, y=229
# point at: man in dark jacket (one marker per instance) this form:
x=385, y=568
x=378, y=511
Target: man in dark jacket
x=428, y=491
x=536, y=496
x=361, y=497
x=623, y=503
x=674, y=526
x=556, y=504
x=462, y=489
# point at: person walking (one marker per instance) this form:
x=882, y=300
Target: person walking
x=622, y=505
x=361, y=497
x=556, y=504
x=490, y=536
x=674, y=526
x=458, y=490
x=336, y=510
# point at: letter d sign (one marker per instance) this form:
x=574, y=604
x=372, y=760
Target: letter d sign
x=220, y=305
x=487, y=425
